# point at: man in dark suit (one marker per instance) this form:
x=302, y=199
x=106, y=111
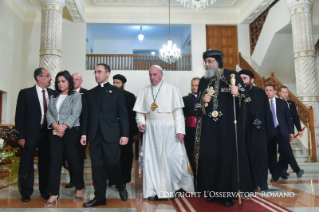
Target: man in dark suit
x=32, y=133
x=189, y=113
x=105, y=127
x=283, y=93
x=127, y=150
x=77, y=83
x=284, y=133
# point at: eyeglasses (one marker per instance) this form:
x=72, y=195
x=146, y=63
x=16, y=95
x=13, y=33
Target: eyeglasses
x=97, y=72
x=47, y=76
x=208, y=62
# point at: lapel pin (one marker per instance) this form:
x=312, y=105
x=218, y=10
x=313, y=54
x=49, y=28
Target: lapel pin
x=110, y=91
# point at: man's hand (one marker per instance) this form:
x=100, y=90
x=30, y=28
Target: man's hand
x=300, y=134
x=83, y=141
x=21, y=142
x=180, y=136
x=234, y=90
x=141, y=128
x=207, y=97
x=123, y=141
x=291, y=136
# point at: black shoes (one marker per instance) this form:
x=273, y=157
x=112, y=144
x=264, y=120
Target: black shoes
x=227, y=202
x=210, y=199
x=154, y=198
x=25, y=199
x=69, y=185
x=284, y=176
x=45, y=196
x=123, y=194
x=93, y=203
x=300, y=173
x=264, y=189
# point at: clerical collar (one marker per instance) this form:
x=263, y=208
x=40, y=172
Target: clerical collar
x=102, y=85
x=195, y=95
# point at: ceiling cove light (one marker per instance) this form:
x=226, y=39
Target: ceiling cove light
x=140, y=36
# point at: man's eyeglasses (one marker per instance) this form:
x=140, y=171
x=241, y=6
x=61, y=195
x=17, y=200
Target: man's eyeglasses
x=208, y=62
x=97, y=72
x=47, y=76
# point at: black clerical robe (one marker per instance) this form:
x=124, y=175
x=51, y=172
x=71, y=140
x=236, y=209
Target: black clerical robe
x=260, y=130
x=215, y=145
x=190, y=126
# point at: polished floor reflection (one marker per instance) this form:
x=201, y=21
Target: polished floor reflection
x=305, y=195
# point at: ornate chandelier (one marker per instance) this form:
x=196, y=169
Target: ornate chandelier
x=196, y=4
x=169, y=53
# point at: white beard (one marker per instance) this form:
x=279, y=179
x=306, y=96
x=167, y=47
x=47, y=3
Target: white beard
x=209, y=73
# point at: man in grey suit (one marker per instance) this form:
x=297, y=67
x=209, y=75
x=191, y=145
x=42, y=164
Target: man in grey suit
x=105, y=127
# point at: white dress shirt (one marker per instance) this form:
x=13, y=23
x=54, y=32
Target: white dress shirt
x=274, y=102
x=59, y=103
x=40, y=97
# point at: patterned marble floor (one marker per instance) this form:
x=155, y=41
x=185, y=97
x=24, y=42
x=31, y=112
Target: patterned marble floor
x=305, y=198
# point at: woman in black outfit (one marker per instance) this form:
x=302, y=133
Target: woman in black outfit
x=63, y=118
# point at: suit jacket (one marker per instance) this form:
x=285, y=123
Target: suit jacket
x=110, y=116
x=294, y=115
x=284, y=118
x=189, y=109
x=28, y=115
x=69, y=112
x=130, y=102
x=83, y=92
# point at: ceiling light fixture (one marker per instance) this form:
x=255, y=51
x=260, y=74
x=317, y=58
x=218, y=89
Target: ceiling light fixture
x=196, y=4
x=169, y=53
x=140, y=36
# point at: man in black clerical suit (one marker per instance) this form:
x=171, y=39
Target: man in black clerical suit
x=215, y=140
x=283, y=93
x=126, y=159
x=260, y=128
x=32, y=133
x=190, y=115
x=105, y=127
x=284, y=134
x=77, y=82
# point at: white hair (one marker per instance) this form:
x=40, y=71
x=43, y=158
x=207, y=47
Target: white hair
x=158, y=67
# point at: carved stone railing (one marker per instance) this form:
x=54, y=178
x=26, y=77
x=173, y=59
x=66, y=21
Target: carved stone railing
x=136, y=62
x=305, y=113
x=256, y=26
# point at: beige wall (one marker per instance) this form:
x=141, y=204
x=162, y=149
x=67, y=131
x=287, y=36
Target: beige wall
x=11, y=32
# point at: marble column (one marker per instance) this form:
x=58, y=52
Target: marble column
x=305, y=55
x=51, y=36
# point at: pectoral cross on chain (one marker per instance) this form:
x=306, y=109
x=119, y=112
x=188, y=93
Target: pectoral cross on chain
x=153, y=106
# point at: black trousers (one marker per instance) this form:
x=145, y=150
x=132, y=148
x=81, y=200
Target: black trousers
x=105, y=159
x=82, y=153
x=286, y=156
x=68, y=144
x=26, y=168
x=127, y=160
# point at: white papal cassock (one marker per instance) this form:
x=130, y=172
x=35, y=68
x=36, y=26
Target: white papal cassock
x=165, y=160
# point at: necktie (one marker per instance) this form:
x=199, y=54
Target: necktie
x=288, y=104
x=45, y=108
x=274, y=113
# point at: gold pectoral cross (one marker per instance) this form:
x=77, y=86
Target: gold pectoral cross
x=154, y=106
